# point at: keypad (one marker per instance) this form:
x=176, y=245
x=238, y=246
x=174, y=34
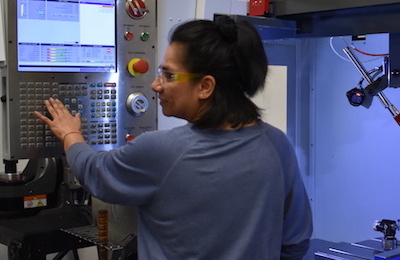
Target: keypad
x=96, y=102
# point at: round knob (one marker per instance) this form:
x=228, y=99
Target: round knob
x=137, y=67
x=136, y=9
x=137, y=103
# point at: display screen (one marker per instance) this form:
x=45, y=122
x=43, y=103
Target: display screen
x=66, y=35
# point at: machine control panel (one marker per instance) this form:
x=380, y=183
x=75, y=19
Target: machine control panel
x=101, y=66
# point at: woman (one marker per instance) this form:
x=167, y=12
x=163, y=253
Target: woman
x=224, y=186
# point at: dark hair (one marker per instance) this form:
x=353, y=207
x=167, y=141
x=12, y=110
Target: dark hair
x=232, y=52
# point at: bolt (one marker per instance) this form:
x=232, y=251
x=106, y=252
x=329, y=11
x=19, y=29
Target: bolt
x=395, y=72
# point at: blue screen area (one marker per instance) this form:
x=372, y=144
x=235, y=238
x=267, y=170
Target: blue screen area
x=66, y=35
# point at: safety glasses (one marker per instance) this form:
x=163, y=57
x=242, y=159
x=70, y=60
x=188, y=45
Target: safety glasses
x=168, y=76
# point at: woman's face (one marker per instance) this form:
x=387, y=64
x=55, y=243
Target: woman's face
x=178, y=98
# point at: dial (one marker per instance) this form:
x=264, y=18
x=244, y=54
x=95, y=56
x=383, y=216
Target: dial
x=137, y=103
x=136, y=9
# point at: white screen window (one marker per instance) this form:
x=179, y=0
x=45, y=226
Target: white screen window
x=66, y=35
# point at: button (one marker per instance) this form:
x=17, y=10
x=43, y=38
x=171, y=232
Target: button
x=145, y=36
x=129, y=137
x=128, y=36
x=137, y=67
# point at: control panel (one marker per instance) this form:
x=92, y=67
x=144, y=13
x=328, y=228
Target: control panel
x=98, y=57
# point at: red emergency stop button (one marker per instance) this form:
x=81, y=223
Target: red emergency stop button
x=137, y=67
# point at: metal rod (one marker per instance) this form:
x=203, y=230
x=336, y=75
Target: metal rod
x=357, y=64
x=386, y=103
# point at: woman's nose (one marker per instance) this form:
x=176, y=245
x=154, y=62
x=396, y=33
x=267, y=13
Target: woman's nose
x=156, y=85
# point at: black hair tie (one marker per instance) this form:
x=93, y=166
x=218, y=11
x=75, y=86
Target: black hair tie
x=227, y=27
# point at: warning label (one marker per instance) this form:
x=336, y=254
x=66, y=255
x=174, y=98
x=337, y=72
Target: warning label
x=35, y=201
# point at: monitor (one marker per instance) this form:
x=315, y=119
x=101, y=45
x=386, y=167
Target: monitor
x=66, y=36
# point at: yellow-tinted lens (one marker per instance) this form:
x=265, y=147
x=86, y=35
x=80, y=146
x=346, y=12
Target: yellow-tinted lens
x=166, y=75
x=181, y=77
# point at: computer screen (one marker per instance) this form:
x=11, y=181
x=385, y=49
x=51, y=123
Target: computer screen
x=66, y=35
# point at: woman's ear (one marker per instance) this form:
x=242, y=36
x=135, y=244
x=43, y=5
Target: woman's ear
x=207, y=86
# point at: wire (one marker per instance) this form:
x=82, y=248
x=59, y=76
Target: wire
x=369, y=54
x=333, y=49
x=377, y=56
x=376, y=70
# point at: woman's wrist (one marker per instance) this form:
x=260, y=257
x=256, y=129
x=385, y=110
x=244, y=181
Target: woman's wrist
x=70, y=133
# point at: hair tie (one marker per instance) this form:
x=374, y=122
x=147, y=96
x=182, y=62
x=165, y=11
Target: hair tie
x=227, y=27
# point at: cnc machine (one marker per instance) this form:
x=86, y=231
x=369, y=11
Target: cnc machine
x=98, y=58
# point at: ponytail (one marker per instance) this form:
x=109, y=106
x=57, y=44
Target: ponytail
x=250, y=58
x=248, y=53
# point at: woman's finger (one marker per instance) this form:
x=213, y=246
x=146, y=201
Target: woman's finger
x=44, y=119
x=50, y=108
x=60, y=108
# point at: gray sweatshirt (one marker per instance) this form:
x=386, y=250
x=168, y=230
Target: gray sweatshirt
x=205, y=194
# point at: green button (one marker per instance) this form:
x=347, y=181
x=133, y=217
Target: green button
x=145, y=36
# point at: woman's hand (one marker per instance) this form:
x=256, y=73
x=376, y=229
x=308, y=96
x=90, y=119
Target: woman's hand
x=63, y=124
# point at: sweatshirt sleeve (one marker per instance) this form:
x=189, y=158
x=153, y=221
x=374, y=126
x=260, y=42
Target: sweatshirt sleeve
x=298, y=227
x=133, y=171
x=297, y=223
